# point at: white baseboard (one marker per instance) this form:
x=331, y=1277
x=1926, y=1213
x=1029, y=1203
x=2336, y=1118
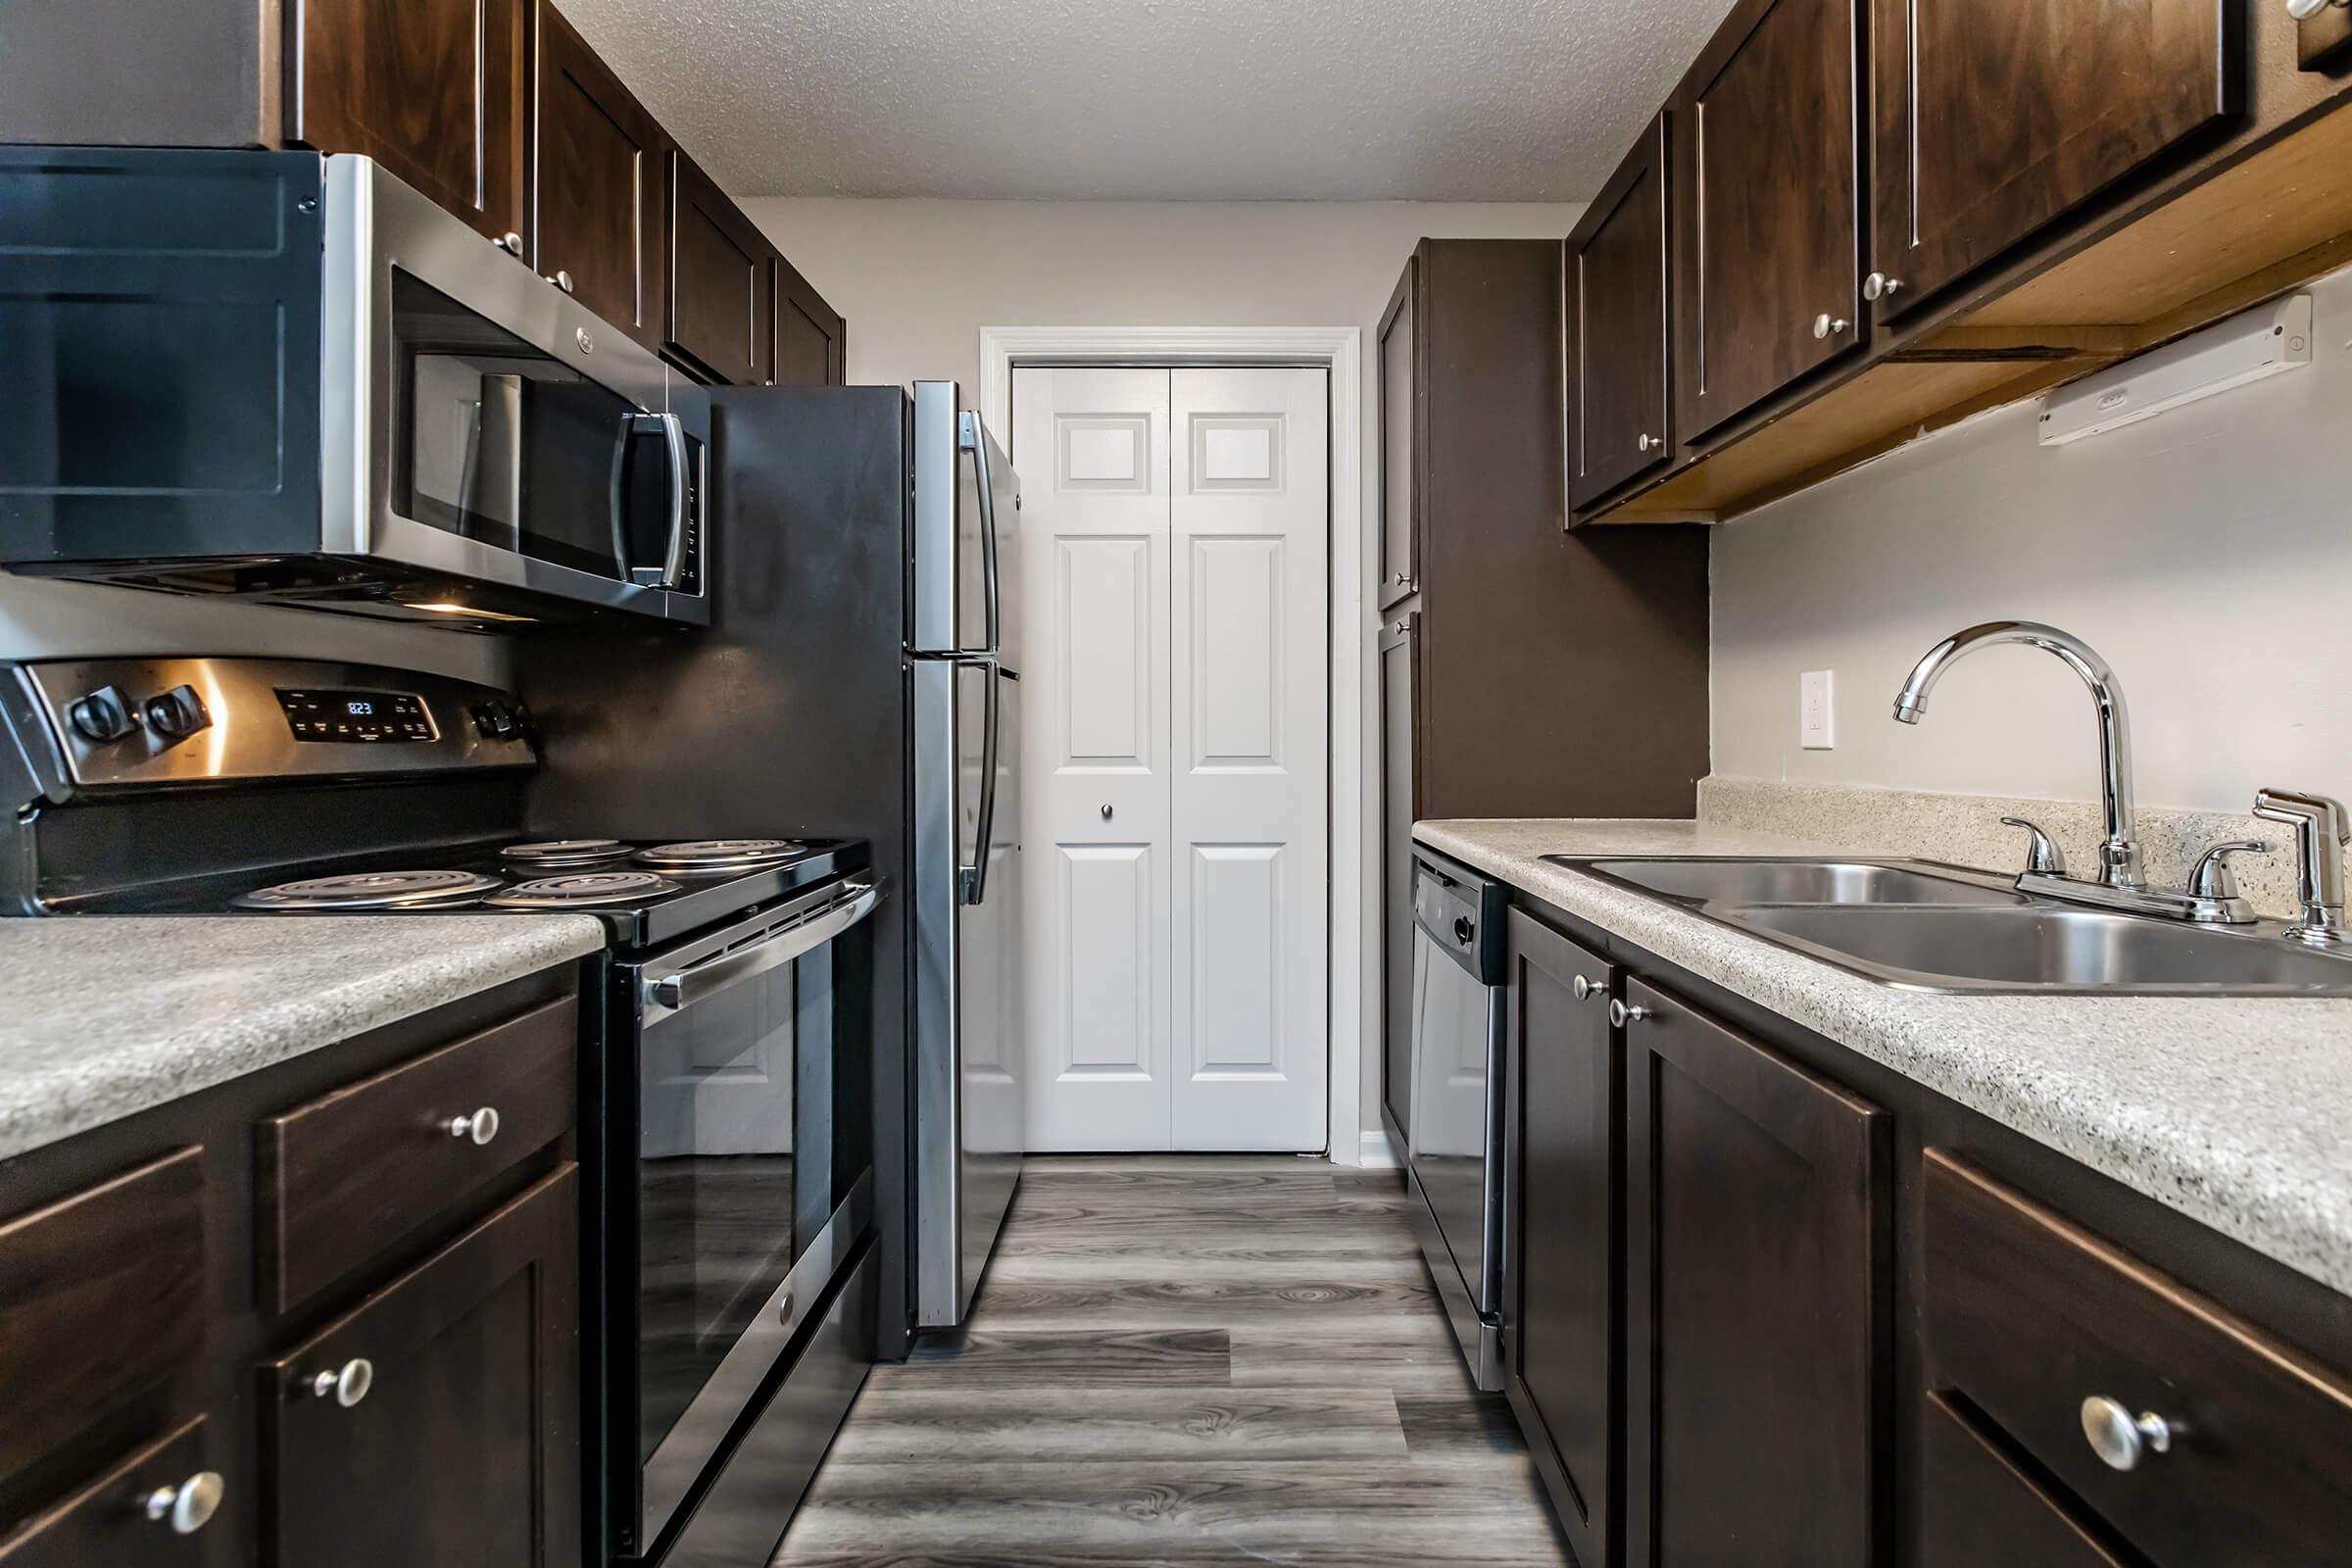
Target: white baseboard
x=1376, y=1153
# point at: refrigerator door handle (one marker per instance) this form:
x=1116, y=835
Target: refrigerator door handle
x=971, y=438
x=971, y=881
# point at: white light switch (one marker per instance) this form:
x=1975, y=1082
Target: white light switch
x=1817, y=711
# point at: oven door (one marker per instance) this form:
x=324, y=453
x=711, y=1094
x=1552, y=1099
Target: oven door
x=478, y=423
x=751, y=1183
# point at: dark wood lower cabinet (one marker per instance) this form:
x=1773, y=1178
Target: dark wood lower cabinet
x=150, y=1511
x=1982, y=1512
x=1756, y=1289
x=1565, y=1110
x=461, y=1447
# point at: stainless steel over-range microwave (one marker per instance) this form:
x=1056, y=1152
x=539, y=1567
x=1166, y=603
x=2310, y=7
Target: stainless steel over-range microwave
x=292, y=377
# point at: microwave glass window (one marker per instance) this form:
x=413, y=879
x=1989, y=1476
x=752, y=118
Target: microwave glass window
x=507, y=445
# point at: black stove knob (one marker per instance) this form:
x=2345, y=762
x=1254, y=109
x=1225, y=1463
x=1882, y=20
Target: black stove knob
x=177, y=714
x=495, y=721
x=102, y=716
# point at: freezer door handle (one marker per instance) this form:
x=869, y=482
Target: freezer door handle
x=971, y=437
x=971, y=881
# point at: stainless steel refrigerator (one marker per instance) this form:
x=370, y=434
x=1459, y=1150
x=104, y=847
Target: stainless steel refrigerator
x=966, y=867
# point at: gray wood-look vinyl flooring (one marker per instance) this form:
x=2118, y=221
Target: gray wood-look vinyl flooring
x=1181, y=1360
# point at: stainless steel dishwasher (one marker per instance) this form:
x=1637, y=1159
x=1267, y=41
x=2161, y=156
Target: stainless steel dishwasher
x=1455, y=1160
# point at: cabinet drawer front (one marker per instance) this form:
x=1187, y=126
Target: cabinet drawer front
x=446, y=1430
x=2028, y=1316
x=1983, y=1509
x=101, y=1299
x=348, y=1174
x=153, y=1510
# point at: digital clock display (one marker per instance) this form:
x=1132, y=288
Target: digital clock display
x=363, y=717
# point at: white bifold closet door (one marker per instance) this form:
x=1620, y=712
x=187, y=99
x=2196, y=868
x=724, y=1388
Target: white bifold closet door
x=1175, y=755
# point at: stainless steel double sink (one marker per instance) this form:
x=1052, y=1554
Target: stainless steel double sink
x=1929, y=927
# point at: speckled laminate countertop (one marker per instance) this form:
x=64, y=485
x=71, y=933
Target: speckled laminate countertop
x=2235, y=1110
x=108, y=1017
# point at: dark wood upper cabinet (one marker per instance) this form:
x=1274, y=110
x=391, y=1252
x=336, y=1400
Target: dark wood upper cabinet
x=446, y=1429
x=721, y=290
x=1768, y=208
x=1617, y=345
x=1992, y=117
x=811, y=340
x=431, y=89
x=1757, y=1301
x=599, y=177
x=1400, y=439
x=1564, y=1101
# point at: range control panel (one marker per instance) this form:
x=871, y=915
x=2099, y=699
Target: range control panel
x=341, y=714
x=105, y=724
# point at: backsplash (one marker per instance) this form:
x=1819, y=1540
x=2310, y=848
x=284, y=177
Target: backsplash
x=1967, y=830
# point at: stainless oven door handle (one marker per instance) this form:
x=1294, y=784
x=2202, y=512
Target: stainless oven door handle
x=969, y=436
x=675, y=992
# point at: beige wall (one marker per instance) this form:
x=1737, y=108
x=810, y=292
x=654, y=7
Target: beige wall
x=2207, y=552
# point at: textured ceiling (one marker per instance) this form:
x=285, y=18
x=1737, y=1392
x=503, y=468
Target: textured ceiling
x=1154, y=100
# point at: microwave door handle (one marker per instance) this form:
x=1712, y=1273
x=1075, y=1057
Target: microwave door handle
x=619, y=476
x=674, y=566
x=973, y=439
x=972, y=880
x=675, y=992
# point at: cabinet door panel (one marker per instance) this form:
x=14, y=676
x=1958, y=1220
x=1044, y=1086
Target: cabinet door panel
x=811, y=340
x=721, y=293
x=1993, y=116
x=1560, y=1327
x=1401, y=427
x=431, y=89
x=597, y=191
x=1756, y=1261
x=1617, y=285
x=1399, y=800
x=1982, y=1508
x=464, y=1451
x=1769, y=234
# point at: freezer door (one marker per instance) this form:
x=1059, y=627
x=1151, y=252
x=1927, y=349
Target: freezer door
x=968, y=1108
x=967, y=533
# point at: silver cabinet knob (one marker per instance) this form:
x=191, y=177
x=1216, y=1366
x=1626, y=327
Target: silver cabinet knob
x=189, y=1506
x=561, y=279
x=2119, y=1438
x=1877, y=285
x=510, y=242
x=479, y=1128
x=2305, y=10
x=1105, y=811
x=1402, y=579
x=1825, y=324
x=1586, y=990
x=347, y=1385
x=1643, y=442
x=1620, y=1014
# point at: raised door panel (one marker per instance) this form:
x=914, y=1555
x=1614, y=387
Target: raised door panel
x=1617, y=345
x=439, y=1421
x=721, y=294
x=1248, y=536
x=431, y=89
x=1095, y=607
x=596, y=187
x=1399, y=800
x=1561, y=1339
x=1767, y=238
x=1992, y=117
x=1980, y=1508
x=1401, y=427
x=1757, y=1292
x=811, y=340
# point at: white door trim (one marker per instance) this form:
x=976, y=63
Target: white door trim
x=1354, y=915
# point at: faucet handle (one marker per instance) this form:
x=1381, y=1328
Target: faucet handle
x=2321, y=830
x=2043, y=858
x=2212, y=878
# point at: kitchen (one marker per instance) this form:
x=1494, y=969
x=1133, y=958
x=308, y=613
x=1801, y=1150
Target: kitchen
x=810, y=785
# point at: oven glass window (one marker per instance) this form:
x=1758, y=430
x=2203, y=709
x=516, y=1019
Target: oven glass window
x=501, y=442
x=734, y=1172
